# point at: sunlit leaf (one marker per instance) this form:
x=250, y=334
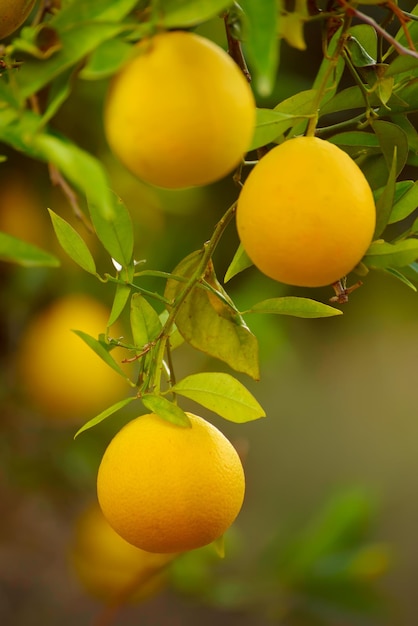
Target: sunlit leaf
x=296, y=306
x=221, y=393
x=104, y=414
x=72, y=243
x=382, y=254
x=15, y=250
x=166, y=410
x=102, y=350
x=271, y=124
x=120, y=300
x=239, y=263
x=145, y=322
x=209, y=324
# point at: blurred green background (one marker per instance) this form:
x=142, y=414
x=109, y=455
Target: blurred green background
x=327, y=534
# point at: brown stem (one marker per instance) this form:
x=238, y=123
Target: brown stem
x=235, y=49
x=58, y=180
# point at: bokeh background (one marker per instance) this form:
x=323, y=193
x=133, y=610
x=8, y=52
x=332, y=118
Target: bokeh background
x=339, y=394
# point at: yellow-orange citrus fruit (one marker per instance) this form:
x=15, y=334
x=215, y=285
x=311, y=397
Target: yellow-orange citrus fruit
x=110, y=568
x=306, y=213
x=165, y=488
x=180, y=113
x=62, y=376
x=12, y=15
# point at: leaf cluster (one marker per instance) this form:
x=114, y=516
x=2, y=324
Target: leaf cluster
x=371, y=119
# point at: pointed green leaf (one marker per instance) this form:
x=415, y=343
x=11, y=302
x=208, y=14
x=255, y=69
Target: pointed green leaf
x=385, y=202
x=401, y=277
x=15, y=250
x=382, y=254
x=145, y=322
x=104, y=414
x=72, y=243
x=120, y=300
x=390, y=135
x=239, y=263
x=406, y=200
x=209, y=324
x=186, y=13
x=296, y=306
x=166, y=410
x=261, y=28
x=102, y=350
x=221, y=393
x=115, y=230
x=271, y=124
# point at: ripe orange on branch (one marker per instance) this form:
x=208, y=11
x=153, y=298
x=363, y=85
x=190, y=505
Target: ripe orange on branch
x=306, y=213
x=180, y=113
x=165, y=488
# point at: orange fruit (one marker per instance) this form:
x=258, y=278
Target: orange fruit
x=180, y=113
x=165, y=488
x=12, y=15
x=60, y=375
x=108, y=567
x=306, y=214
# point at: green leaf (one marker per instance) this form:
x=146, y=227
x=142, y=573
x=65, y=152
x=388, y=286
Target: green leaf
x=15, y=250
x=390, y=135
x=72, y=243
x=102, y=350
x=362, y=45
x=359, y=55
x=105, y=60
x=401, y=277
x=145, y=322
x=296, y=306
x=185, y=13
x=382, y=254
x=166, y=410
x=261, y=47
x=221, y=393
x=385, y=201
x=357, y=143
x=81, y=27
x=406, y=201
x=120, y=300
x=114, y=230
x=271, y=124
x=239, y=263
x=209, y=323
x=104, y=414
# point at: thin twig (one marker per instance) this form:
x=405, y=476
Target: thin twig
x=59, y=181
x=235, y=49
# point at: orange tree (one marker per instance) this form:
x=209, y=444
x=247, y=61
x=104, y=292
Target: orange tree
x=180, y=112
